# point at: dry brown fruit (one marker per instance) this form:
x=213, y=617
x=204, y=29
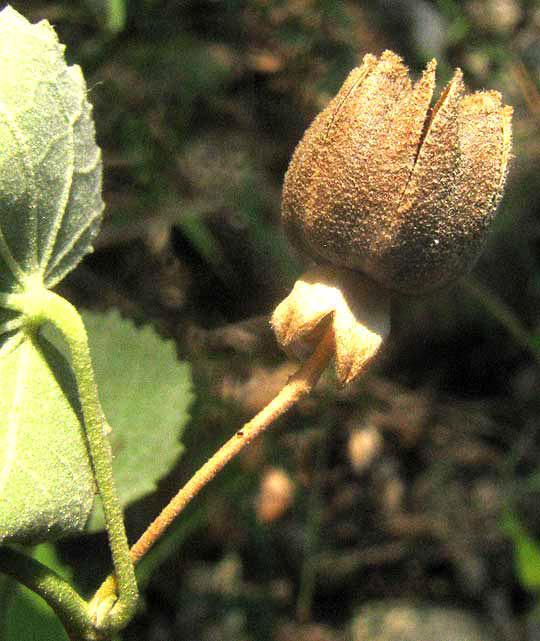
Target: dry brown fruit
x=387, y=194
x=386, y=184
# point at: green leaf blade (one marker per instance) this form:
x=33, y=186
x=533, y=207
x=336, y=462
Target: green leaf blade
x=526, y=552
x=50, y=166
x=46, y=482
x=30, y=617
x=145, y=393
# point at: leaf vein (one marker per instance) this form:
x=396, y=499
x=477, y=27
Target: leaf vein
x=75, y=237
x=5, y=251
x=50, y=240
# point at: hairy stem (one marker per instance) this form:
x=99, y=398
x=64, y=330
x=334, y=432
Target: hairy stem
x=38, y=306
x=70, y=608
x=298, y=386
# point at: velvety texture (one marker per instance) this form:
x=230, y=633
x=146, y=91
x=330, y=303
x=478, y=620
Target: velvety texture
x=386, y=184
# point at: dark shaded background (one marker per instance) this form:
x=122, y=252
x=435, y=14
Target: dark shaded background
x=396, y=487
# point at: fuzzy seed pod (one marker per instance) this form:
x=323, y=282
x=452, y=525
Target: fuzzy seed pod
x=387, y=194
x=384, y=184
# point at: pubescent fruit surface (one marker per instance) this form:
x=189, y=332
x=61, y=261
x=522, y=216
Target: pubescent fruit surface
x=385, y=184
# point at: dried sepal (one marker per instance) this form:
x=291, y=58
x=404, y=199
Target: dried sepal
x=486, y=137
x=386, y=185
x=357, y=309
x=307, y=158
x=424, y=226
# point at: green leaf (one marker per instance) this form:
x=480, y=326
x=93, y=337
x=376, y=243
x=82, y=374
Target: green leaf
x=50, y=166
x=145, y=393
x=116, y=15
x=526, y=552
x=29, y=616
x=46, y=479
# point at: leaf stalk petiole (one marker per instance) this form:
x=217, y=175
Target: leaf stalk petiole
x=38, y=306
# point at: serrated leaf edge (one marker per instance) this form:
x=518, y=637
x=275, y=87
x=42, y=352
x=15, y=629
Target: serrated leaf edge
x=42, y=265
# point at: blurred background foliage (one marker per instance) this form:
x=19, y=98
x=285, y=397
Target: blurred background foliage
x=418, y=484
